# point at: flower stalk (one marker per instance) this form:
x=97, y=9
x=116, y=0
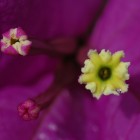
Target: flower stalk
x=30, y=109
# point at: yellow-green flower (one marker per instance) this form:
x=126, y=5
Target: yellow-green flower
x=104, y=73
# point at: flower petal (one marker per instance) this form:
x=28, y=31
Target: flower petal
x=77, y=116
x=28, y=70
x=11, y=126
x=69, y=118
x=118, y=29
x=51, y=18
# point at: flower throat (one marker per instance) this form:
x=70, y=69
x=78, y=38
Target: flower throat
x=104, y=73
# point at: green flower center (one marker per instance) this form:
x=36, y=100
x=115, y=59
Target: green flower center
x=13, y=41
x=104, y=73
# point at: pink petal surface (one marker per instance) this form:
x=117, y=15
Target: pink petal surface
x=9, y=50
x=118, y=29
x=46, y=19
x=17, y=70
x=11, y=125
x=77, y=116
x=26, y=49
x=72, y=117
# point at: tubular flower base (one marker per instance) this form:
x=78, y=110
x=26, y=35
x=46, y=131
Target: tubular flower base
x=15, y=42
x=104, y=73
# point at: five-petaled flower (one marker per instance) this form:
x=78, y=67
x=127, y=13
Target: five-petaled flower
x=15, y=42
x=104, y=73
